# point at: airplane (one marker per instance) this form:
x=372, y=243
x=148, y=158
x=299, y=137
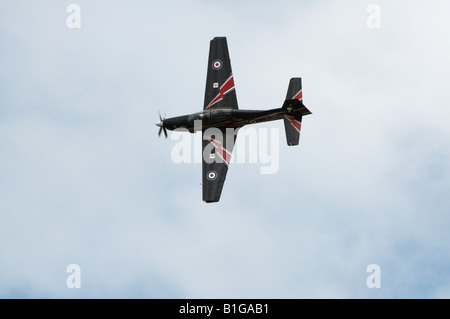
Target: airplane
x=222, y=116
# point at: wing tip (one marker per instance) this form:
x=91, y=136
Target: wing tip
x=211, y=201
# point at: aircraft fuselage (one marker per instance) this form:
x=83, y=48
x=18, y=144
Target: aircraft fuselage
x=227, y=117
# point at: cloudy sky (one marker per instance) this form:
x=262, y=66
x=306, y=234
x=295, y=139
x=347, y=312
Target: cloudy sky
x=85, y=180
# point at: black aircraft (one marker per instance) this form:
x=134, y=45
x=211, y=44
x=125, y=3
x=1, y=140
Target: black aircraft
x=220, y=111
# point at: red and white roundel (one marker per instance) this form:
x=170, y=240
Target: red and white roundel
x=211, y=175
x=217, y=64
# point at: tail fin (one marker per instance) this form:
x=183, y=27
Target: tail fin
x=293, y=121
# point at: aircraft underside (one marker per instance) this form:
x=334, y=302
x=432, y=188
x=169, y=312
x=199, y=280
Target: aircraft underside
x=238, y=118
x=220, y=111
x=228, y=117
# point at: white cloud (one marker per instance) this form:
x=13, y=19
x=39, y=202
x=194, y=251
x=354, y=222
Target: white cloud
x=85, y=180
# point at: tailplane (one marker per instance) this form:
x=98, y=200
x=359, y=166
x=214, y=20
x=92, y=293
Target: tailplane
x=295, y=111
x=292, y=125
x=295, y=90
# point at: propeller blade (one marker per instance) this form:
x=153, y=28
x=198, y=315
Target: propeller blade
x=161, y=125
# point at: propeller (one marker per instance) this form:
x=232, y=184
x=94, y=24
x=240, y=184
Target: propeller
x=161, y=126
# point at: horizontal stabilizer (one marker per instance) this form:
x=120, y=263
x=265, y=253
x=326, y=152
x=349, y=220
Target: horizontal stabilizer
x=295, y=89
x=294, y=104
x=293, y=125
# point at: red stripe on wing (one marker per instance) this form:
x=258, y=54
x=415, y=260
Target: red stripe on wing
x=224, y=89
x=226, y=156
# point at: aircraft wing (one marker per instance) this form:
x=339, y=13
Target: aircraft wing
x=219, y=92
x=216, y=158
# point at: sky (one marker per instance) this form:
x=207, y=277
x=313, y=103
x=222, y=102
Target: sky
x=84, y=179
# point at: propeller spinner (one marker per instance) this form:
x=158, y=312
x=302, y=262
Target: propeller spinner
x=161, y=126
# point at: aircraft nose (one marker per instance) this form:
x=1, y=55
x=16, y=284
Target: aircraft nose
x=159, y=123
